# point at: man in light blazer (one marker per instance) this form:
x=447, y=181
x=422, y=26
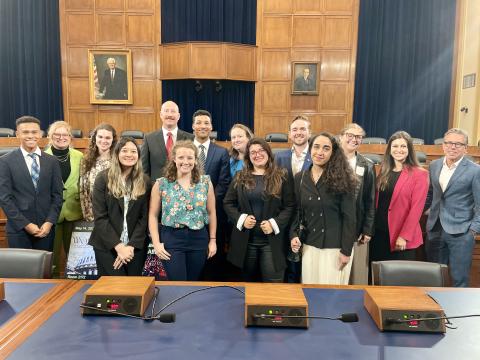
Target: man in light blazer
x=454, y=203
x=295, y=160
x=31, y=190
x=157, y=144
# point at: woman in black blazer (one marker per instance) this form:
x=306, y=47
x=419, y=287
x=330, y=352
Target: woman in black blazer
x=260, y=203
x=120, y=207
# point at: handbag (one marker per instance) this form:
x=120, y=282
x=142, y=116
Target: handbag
x=153, y=265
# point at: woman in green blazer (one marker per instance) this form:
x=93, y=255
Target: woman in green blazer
x=60, y=139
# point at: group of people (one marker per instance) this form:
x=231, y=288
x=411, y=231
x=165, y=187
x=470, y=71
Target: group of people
x=315, y=213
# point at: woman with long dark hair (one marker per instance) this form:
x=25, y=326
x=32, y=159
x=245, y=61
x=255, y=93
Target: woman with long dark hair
x=120, y=207
x=259, y=203
x=402, y=188
x=325, y=221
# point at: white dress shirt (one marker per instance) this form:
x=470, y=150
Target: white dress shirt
x=174, y=135
x=446, y=173
x=206, y=144
x=297, y=161
x=29, y=160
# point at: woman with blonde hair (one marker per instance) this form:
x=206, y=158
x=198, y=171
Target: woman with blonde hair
x=185, y=199
x=60, y=141
x=239, y=136
x=120, y=208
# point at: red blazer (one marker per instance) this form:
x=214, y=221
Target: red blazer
x=406, y=207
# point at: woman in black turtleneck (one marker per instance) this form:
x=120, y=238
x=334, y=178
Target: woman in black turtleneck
x=60, y=138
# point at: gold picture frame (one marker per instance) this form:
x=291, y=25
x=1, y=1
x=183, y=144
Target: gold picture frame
x=110, y=76
x=305, y=78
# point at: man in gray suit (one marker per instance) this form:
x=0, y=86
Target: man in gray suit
x=454, y=200
x=31, y=190
x=157, y=145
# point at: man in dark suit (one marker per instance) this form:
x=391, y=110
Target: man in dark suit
x=295, y=160
x=454, y=203
x=31, y=190
x=305, y=82
x=114, y=85
x=157, y=145
x=215, y=162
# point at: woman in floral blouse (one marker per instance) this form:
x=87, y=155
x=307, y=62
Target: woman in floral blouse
x=98, y=158
x=186, y=201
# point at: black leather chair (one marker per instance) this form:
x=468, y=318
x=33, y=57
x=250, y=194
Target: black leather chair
x=77, y=133
x=438, y=141
x=136, y=134
x=213, y=136
x=374, y=140
x=6, y=150
x=409, y=273
x=7, y=132
x=25, y=263
x=276, y=137
x=375, y=158
x=418, y=141
x=421, y=157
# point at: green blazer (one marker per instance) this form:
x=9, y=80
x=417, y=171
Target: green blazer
x=71, y=209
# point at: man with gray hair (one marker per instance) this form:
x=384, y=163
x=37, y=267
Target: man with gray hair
x=454, y=213
x=114, y=82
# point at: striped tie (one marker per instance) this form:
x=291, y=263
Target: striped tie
x=35, y=171
x=202, y=158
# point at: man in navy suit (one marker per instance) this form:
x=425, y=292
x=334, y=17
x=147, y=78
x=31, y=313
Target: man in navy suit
x=215, y=162
x=454, y=203
x=295, y=160
x=31, y=190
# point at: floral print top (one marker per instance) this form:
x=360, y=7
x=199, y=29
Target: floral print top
x=86, y=186
x=184, y=208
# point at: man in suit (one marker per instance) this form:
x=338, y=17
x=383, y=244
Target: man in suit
x=215, y=162
x=295, y=160
x=454, y=203
x=31, y=190
x=114, y=85
x=158, y=145
x=305, y=82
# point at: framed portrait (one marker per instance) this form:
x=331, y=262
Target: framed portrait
x=305, y=78
x=110, y=76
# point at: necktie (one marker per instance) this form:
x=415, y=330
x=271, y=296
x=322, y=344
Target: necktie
x=35, y=170
x=202, y=158
x=169, y=144
x=111, y=75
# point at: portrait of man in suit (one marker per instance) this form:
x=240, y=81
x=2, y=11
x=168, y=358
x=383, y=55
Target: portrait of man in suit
x=114, y=85
x=305, y=78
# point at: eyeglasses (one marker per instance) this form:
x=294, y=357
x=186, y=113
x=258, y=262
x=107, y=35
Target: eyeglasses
x=454, y=145
x=58, y=136
x=351, y=136
x=259, y=152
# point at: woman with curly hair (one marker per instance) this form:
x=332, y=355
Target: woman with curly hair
x=260, y=203
x=325, y=221
x=98, y=158
x=186, y=201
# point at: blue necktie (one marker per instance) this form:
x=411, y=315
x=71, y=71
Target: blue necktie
x=35, y=171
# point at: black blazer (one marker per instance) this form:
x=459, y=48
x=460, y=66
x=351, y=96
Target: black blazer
x=217, y=166
x=19, y=200
x=108, y=214
x=280, y=209
x=365, y=194
x=154, y=152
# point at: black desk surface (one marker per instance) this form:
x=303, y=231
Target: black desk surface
x=210, y=326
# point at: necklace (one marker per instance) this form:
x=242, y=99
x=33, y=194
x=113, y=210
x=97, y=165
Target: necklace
x=63, y=158
x=316, y=177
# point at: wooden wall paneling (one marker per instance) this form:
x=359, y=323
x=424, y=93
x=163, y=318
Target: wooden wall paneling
x=333, y=97
x=304, y=103
x=277, y=31
x=116, y=118
x=140, y=30
x=338, y=32
x=141, y=5
x=77, y=61
x=110, y=5
x=145, y=121
x=111, y=29
x=276, y=96
x=241, y=62
x=85, y=120
x=307, y=31
x=315, y=121
x=174, y=61
x=308, y=6
x=207, y=61
x=333, y=123
x=78, y=4
x=273, y=123
x=276, y=7
x=144, y=94
x=80, y=28
x=78, y=93
x=312, y=54
x=344, y=7
x=143, y=63
x=276, y=65
x=335, y=65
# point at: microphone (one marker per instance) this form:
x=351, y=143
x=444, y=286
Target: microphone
x=167, y=318
x=347, y=317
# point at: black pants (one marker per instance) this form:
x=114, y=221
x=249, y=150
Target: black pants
x=105, y=260
x=259, y=264
x=24, y=240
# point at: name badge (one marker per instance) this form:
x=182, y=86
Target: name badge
x=360, y=170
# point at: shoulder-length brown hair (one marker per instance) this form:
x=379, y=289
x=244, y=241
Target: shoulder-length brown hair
x=388, y=163
x=274, y=175
x=337, y=172
x=170, y=171
x=234, y=152
x=92, y=152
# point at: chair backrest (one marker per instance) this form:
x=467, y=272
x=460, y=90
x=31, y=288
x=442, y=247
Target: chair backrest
x=77, y=133
x=136, y=134
x=409, y=273
x=375, y=158
x=438, y=141
x=276, y=137
x=418, y=141
x=25, y=263
x=213, y=136
x=7, y=132
x=421, y=157
x=374, y=140
x=6, y=150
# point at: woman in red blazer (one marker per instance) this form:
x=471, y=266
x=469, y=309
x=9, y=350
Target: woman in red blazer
x=401, y=192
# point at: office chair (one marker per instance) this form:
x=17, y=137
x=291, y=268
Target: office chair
x=77, y=133
x=276, y=137
x=213, y=136
x=421, y=157
x=374, y=140
x=438, y=141
x=375, y=158
x=25, y=263
x=418, y=141
x=6, y=150
x=409, y=273
x=7, y=132
x=136, y=134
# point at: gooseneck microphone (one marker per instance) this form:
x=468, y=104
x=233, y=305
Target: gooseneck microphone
x=347, y=317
